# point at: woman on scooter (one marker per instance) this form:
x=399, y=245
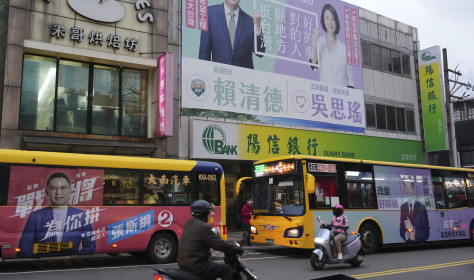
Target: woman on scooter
x=339, y=224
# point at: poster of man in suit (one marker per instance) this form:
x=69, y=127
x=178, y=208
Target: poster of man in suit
x=230, y=37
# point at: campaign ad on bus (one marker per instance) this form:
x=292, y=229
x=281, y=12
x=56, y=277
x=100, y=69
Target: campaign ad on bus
x=80, y=211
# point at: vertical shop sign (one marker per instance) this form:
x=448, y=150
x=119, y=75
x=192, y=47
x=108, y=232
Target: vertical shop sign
x=165, y=96
x=432, y=98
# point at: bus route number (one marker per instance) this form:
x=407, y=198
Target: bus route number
x=165, y=218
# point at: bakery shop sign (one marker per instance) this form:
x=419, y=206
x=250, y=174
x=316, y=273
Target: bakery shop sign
x=108, y=11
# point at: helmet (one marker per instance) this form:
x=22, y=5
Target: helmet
x=338, y=210
x=201, y=208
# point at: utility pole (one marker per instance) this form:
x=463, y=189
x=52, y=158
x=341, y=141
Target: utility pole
x=448, y=108
x=452, y=146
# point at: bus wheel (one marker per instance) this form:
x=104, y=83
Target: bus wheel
x=162, y=248
x=370, y=238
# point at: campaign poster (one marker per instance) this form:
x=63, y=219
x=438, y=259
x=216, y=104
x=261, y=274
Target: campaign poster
x=288, y=62
x=53, y=212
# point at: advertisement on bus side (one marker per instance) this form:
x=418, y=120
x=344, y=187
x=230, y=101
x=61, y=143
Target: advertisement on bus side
x=61, y=212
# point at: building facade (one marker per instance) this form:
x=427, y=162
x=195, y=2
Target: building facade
x=88, y=80
x=464, y=125
x=83, y=78
x=288, y=102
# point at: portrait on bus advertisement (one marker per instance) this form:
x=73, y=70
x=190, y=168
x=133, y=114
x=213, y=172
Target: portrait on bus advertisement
x=409, y=191
x=60, y=212
x=274, y=61
x=46, y=200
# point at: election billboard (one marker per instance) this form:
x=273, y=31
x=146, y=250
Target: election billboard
x=288, y=62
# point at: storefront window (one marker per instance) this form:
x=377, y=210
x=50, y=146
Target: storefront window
x=38, y=93
x=135, y=102
x=105, y=100
x=119, y=98
x=71, y=107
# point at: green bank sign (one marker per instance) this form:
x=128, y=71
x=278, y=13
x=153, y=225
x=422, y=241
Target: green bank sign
x=432, y=99
x=219, y=140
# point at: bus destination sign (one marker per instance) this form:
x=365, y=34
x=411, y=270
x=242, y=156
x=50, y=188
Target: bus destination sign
x=321, y=167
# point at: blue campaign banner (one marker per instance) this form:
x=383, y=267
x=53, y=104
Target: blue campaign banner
x=130, y=226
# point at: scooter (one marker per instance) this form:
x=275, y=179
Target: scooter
x=241, y=270
x=352, y=250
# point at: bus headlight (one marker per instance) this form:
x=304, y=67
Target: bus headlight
x=253, y=230
x=296, y=232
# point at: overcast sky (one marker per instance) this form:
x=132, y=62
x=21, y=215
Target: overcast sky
x=446, y=23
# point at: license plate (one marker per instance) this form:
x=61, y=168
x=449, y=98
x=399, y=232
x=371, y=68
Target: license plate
x=269, y=241
x=360, y=258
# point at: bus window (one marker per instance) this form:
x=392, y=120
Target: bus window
x=455, y=191
x=208, y=188
x=438, y=189
x=179, y=190
x=470, y=190
x=120, y=187
x=168, y=188
x=360, y=189
x=439, y=195
x=361, y=195
x=322, y=193
x=155, y=184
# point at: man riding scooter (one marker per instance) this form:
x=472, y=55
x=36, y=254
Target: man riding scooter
x=194, y=248
x=339, y=224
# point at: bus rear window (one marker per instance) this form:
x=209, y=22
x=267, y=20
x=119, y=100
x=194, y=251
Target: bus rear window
x=208, y=188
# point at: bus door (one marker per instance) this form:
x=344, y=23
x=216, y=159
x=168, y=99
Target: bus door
x=324, y=196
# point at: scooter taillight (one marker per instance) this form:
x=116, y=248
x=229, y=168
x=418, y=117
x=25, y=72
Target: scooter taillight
x=157, y=277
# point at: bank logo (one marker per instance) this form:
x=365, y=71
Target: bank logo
x=197, y=87
x=214, y=141
x=426, y=56
x=99, y=10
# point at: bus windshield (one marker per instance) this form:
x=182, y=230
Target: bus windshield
x=279, y=195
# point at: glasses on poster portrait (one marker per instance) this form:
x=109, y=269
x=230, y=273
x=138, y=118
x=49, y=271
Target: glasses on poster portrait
x=54, y=189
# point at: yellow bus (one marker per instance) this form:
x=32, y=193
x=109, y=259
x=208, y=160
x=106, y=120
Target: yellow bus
x=387, y=203
x=62, y=204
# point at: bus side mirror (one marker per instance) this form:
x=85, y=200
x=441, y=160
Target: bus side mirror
x=310, y=183
x=240, y=183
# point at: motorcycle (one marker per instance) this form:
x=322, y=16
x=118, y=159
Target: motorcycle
x=241, y=270
x=352, y=250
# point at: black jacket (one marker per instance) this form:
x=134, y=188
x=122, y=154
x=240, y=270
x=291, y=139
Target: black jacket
x=195, y=243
